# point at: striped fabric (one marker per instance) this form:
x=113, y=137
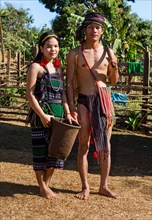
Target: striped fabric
x=48, y=91
x=101, y=115
x=98, y=122
x=107, y=105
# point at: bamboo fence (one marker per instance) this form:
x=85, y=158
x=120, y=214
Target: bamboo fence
x=14, y=106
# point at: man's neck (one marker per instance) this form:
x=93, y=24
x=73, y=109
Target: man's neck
x=96, y=45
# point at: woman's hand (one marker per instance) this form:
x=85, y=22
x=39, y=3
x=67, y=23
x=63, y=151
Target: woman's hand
x=46, y=120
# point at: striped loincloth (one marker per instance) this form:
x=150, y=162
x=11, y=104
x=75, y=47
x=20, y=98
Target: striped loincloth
x=101, y=116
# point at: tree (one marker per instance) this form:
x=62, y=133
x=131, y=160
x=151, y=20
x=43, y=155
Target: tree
x=123, y=33
x=17, y=31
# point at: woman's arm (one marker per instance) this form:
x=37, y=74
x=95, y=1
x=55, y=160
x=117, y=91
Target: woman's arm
x=32, y=75
x=66, y=108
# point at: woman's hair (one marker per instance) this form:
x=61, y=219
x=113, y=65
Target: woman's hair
x=43, y=38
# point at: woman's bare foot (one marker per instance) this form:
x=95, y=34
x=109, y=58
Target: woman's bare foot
x=83, y=195
x=47, y=193
x=108, y=193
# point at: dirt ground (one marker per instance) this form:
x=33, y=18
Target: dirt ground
x=130, y=176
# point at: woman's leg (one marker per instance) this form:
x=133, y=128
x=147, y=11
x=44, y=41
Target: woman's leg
x=43, y=189
x=39, y=151
x=48, y=176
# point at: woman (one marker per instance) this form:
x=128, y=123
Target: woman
x=47, y=98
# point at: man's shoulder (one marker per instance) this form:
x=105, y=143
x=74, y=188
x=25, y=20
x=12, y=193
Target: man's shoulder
x=109, y=51
x=74, y=52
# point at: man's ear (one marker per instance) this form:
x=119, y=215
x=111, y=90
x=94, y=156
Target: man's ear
x=102, y=30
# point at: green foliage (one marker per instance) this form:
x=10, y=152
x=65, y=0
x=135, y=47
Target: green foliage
x=21, y=90
x=18, y=35
x=127, y=34
x=6, y=100
x=133, y=121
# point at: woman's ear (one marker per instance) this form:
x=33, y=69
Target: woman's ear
x=41, y=49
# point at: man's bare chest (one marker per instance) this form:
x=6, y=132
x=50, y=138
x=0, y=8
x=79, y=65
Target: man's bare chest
x=96, y=63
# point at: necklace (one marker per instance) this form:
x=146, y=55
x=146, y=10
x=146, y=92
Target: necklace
x=57, y=87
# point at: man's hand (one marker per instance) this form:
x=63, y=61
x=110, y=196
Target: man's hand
x=71, y=119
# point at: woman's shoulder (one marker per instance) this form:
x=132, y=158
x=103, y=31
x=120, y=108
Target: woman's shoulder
x=36, y=69
x=35, y=65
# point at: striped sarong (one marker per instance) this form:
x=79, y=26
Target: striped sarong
x=48, y=92
x=41, y=161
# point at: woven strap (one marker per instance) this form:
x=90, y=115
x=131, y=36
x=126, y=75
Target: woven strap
x=103, y=105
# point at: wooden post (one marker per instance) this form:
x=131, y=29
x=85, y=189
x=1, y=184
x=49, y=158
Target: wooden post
x=24, y=58
x=19, y=67
x=146, y=83
x=8, y=62
x=35, y=51
x=2, y=43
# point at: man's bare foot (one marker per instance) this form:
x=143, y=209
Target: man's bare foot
x=47, y=193
x=108, y=193
x=83, y=195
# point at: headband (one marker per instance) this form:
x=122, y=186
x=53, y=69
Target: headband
x=93, y=17
x=50, y=35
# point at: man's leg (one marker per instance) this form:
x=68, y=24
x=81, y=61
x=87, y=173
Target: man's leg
x=82, y=162
x=105, y=164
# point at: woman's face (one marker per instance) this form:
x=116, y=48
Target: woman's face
x=50, y=49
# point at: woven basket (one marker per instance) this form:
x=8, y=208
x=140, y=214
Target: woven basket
x=62, y=138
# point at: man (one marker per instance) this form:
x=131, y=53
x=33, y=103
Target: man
x=93, y=64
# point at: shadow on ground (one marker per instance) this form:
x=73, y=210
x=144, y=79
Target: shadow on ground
x=12, y=189
x=131, y=153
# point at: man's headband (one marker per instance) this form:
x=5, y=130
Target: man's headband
x=50, y=35
x=93, y=17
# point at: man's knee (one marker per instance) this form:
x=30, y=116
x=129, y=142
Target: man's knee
x=105, y=155
x=83, y=145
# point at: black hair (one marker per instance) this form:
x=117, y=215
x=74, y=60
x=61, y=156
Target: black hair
x=43, y=38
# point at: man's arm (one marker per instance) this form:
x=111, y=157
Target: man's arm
x=112, y=73
x=70, y=72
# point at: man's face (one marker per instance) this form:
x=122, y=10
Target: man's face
x=93, y=32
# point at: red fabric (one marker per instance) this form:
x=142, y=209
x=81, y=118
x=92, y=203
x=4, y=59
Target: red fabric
x=91, y=141
x=57, y=63
x=95, y=154
x=44, y=62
